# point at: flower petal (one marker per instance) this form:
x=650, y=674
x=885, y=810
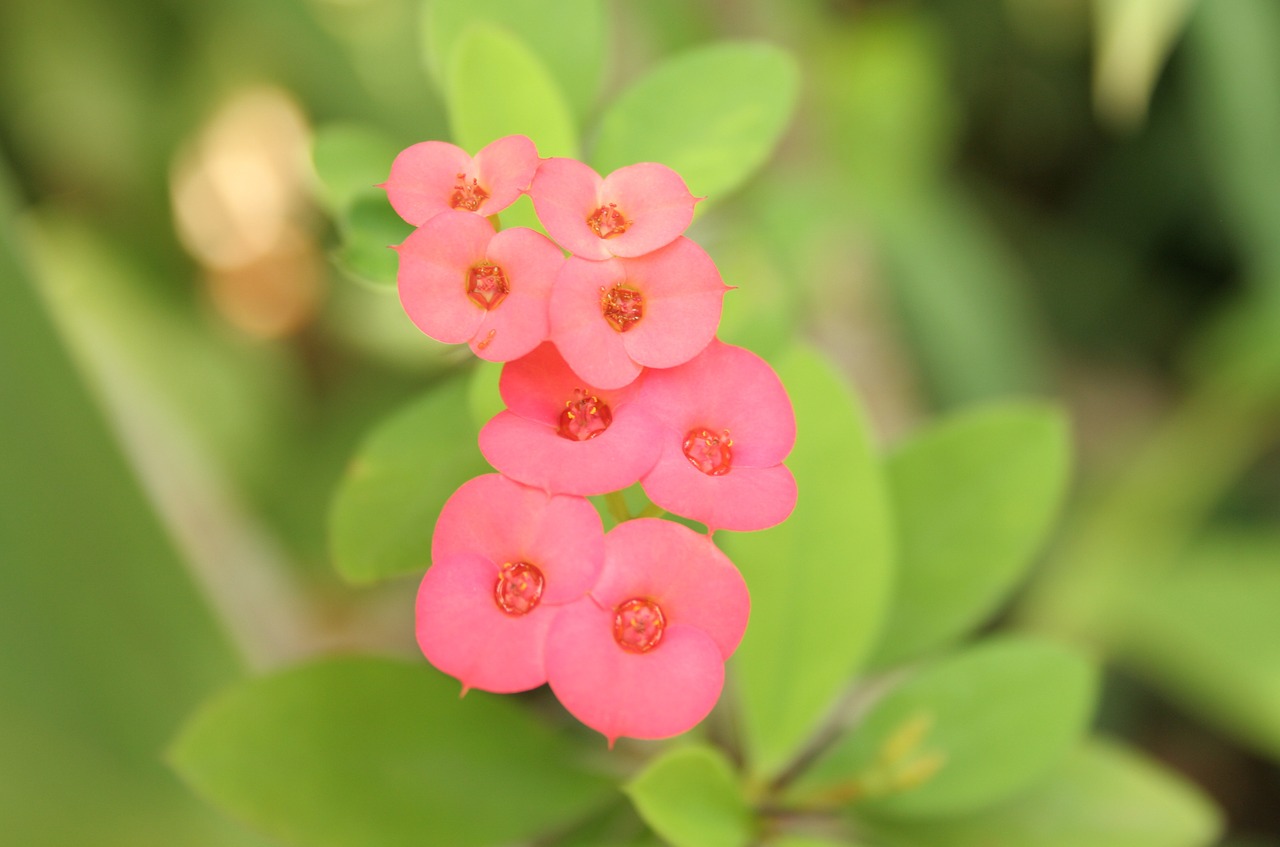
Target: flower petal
x=504, y=168
x=743, y=499
x=593, y=348
x=534, y=453
x=463, y=633
x=536, y=386
x=519, y=323
x=657, y=694
x=434, y=262
x=656, y=202
x=422, y=179
x=693, y=581
x=683, y=297
x=503, y=521
x=565, y=193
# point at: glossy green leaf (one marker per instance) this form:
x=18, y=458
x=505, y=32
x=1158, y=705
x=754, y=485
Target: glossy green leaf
x=692, y=798
x=571, y=42
x=498, y=87
x=357, y=751
x=370, y=228
x=1208, y=633
x=713, y=114
x=386, y=507
x=974, y=497
x=350, y=159
x=1103, y=796
x=964, y=732
x=819, y=581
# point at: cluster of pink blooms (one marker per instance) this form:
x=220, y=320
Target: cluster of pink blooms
x=613, y=376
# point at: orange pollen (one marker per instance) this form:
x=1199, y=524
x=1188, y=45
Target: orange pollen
x=622, y=307
x=584, y=417
x=607, y=221
x=467, y=197
x=708, y=452
x=518, y=589
x=487, y=286
x=638, y=625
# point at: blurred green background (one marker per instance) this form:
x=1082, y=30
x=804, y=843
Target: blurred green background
x=1057, y=198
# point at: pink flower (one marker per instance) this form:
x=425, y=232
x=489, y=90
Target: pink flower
x=644, y=655
x=506, y=559
x=633, y=211
x=434, y=176
x=459, y=281
x=729, y=425
x=564, y=435
x=612, y=318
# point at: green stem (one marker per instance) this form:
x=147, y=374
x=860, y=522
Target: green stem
x=617, y=504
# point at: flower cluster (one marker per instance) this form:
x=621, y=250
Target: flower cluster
x=612, y=376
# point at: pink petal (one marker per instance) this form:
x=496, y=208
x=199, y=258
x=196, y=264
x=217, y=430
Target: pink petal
x=519, y=323
x=683, y=296
x=727, y=388
x=422, y=179
x=743, y=499
x=565, y=193
x=657, y=694
x=536, y=386
x=534, y=452
x=655, y=200
x=682, y=571
x=505, y=168
x=434, y=262
x=594, y=349
x=462, y=631
x=503, y=521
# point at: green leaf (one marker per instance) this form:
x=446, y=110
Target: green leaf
x=498, y=87
x=369, y=228
x=691, y=797
x=974, y=497
x=819, y=581
x=1104, y=796
x=962, y=733
x=357, y=751
x=713, y=114
x=1133, y=40
x=350, y=159
x=1207, y=633
x=384, y=511
x=571, y=42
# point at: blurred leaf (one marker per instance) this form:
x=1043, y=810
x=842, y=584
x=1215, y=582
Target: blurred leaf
x=383, y=513
x=350, y=159
x=713, y=114
x=1104, y=796
x=820, y=580
x=807, y=841
x=1236, y=72
x=964, y=732
x=1208, y=633
x=107, y=642
x=691, y=797
x=483, y=398
x=763, y=312
x=1133, y=39
x=369, y=228
x=570, y=43
x=498, y=87
x=974, y=497
x=360, y=751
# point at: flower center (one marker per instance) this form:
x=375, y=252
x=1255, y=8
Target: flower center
x=607, y=221
x=638, y=625
x=584, y=416
x=467, y=197
x=518, y=589
x=708, y=452
x=487, y=286
x=622, y=307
